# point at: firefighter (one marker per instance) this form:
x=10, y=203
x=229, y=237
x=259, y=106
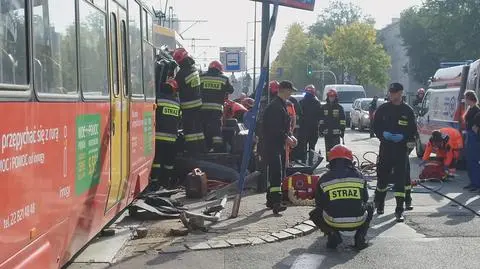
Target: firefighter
x=214, y=87
x=166, y=130
x=332, y=123
x=341, y=200
x=312, y=110
x=447, y=144
x=371, y=112
x=417, y=103
x=277, y=135
x=394, y=126
x=188, y=79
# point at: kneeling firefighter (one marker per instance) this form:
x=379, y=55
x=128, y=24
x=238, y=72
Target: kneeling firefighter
x=341, y=200
x=166, y=129
x=214, y=87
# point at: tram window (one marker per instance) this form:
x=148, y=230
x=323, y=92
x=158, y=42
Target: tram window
x=144, y=24
x=148, y=70
x=92, y=51
x=100, y=4
x=122, y=2
x=55, y=51
x=135, y=33
x=124, y=66
x=13, y=43
x=149, y=27
x=113, y=38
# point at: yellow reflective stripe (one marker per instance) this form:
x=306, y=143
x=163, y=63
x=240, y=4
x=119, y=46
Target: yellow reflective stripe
x=275, y=189
x=408, y=187
x=403, y=122
x=169, y=167
x=166, y=102
x=343, y=185
x=163, y=138
x=177, y=106
x=342, y=180
x=156, y=165
x=399, y=194
x=348, y=222
x=343, y=122
x=382, y=190
x=290, y=183
x=194, y=137
x=309, y=180
x=217, y=139
x=321, y=121
x=191, y=104
x=193, y=79
x=212, y=106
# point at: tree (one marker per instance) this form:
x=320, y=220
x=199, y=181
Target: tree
x=440, y=30
x=338, y=14
x=354, y=48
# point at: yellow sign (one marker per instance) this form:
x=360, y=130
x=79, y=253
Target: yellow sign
x=345, y=193
x=170, y=111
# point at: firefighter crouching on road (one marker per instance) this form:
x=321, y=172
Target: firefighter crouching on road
x=214, y=87
x=394, y=126
x=166, y=129
x=276, y=134
x=341, y=200
x=332, y=123
x=312, y=110
x=188, y=79
x=447, y=144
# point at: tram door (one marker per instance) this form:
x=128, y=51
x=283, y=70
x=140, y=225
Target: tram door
x=119, y=110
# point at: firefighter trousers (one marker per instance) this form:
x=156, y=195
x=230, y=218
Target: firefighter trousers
x=308, y=141
x=330, y=142
x=192, y=130
x=391, y=168
x=276, y=173
x=163, y=173
x=212, y=128
x=408, y=182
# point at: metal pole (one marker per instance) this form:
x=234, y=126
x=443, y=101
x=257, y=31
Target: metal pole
x=265, y=27
x=254, y=45
x=246, y=53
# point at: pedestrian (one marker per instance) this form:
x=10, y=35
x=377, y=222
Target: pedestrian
x=473, y=155
x=188, y=79
x=215, y=86
x=371, y=113
x=446, y=143
x=309, y=125
x=332, y=123
x=394, y=126
x=341, y=200
x=277, y=135
x=167, y=116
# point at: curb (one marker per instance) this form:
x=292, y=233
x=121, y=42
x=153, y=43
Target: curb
x=300, y=229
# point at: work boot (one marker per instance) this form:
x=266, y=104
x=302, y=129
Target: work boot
x=278, y=207
x=380, y=206
x=360, y=241
x=399, y=215
x=408, y=201
x=334, y=239
x=269, y=204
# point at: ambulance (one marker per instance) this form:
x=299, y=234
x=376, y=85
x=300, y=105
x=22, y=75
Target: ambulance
x=443, y=104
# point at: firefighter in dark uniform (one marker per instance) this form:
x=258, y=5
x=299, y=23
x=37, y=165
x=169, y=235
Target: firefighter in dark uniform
x=341, y=200
x=188, y=79
x=312, y=110
x=166, y=130
x=394, y=125
x=214, y=87
x=332, y=123
x=276, y=134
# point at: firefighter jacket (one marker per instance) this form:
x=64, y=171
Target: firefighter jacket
x=312, y=113
x=276, y=126
x=396, y=119
x=188, y=79
x=332, y=122
x=214, y=86
x=451, y=150
x=341, y=195
x=167, y=118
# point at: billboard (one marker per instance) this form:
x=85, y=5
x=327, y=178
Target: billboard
x=300, y=4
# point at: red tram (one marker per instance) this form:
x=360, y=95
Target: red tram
x=77, y=127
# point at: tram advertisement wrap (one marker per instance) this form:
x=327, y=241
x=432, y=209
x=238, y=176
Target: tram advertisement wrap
x=87, y=152
x=148, y=133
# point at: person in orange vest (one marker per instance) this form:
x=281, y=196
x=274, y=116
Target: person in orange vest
x=446, y=143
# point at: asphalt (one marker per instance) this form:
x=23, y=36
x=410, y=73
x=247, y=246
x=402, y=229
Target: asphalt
x=437, y=234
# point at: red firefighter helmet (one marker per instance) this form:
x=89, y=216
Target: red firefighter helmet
x=216, y=65
x=274, y=86
x=340, y=152
x=421, y=91
x=180, y=54
x=310, y=89
x=173, y=83
x=248, y=103
x=332, y=92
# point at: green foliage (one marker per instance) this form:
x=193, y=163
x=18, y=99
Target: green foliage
x=354, y=47
x=440, y=30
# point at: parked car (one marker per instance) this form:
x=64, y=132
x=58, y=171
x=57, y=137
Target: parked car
x=360, y=117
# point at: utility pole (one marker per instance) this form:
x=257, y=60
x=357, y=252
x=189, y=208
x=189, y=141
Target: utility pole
x=255, y=44
x=265, y=30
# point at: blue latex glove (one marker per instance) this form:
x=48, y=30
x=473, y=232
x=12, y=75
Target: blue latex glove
x=388, y=136
x=397, y=138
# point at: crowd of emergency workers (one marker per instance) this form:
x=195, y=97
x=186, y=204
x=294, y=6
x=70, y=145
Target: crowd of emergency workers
x=288, y=130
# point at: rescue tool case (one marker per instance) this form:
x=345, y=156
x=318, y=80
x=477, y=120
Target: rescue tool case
x=196, y=184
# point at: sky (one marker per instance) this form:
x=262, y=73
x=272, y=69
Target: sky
x=227, y=22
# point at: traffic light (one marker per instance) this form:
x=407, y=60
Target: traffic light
x=309, y=70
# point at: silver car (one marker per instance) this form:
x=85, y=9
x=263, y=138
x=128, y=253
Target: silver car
x=360, y=117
